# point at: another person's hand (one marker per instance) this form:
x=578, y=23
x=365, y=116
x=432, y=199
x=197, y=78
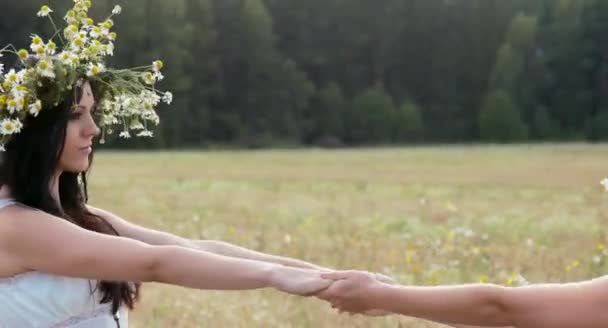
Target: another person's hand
x=303, y=282
x=352, y=291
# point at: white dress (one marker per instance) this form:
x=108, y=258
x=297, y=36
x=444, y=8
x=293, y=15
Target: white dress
x=40, y=300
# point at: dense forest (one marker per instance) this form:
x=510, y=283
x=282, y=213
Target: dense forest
x=260, y=73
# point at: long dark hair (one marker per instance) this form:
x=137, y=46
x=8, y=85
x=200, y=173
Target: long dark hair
x=27, y=167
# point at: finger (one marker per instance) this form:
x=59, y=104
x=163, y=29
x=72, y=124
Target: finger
x=336, y=275
x=316, y=292
x=324, y=295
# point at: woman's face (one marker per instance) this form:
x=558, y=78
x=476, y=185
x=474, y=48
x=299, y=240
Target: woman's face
x=81, y=130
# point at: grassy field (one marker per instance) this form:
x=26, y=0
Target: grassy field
x=426, y=216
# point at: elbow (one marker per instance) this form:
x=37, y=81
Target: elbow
x=496, y=310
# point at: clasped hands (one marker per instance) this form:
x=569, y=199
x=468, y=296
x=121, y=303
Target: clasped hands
x=347, y=291
x=355, y=291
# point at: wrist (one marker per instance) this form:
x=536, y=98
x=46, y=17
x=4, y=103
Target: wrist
x=272, y=275
x=378, y=294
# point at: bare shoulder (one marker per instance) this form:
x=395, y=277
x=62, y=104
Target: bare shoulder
x=16, y=222
x=14, y=218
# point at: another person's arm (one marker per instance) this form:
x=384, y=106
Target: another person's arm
x=580, y=304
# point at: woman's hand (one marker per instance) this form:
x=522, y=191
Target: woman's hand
x=303, y=282
x=352, y=291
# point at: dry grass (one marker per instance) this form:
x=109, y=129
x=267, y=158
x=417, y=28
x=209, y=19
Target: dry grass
x=424, y=215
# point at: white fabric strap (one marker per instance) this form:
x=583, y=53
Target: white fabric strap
x=6, y=202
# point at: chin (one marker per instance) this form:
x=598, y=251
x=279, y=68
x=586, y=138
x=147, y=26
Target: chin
x=79, y=167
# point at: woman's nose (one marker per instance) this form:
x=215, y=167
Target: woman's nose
x=92, y=129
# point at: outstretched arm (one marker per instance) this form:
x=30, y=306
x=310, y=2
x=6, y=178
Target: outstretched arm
x=580, y=304
x=36, y=241
x=154, y=237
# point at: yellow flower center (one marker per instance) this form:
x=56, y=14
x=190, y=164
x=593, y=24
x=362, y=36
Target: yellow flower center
x=23, y=54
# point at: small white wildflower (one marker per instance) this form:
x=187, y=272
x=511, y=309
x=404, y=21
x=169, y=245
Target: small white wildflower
x=45, y=68
x=7, y=127
x=12, y=105
x=125, y=134
x=604, y=183
x=124, y=101
x=65, y=57
x=95, y=69
x=44, y=11
x=12, y=77
x=36, y=44
x=95, y=32
x=51, y=48
x=18, y=124
x=117, y=10
x=168, y=98
x=159, y=76
x=149, y=78
x=157, y=65
x=136, y=125
x=530, y=242
x=109, y=50
x=35, y=108
x=145, y=133
x=2, y=149
x=151, y=99
x=18, y=92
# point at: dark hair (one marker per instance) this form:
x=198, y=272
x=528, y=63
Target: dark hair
x=27, y=167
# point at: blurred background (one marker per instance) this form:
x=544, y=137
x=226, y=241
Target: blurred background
x=266, y=91
x=263, y=73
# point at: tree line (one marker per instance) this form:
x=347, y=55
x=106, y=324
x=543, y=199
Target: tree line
x=259, y=73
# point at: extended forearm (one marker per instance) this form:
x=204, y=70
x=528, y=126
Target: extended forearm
x=226, y=249
x=197, y=269
x=470, y=305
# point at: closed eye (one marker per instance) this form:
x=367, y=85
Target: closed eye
x=75, y=115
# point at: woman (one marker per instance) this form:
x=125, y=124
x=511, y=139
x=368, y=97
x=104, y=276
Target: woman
x=64, y=263
x=48, y=234
x=568, y=305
